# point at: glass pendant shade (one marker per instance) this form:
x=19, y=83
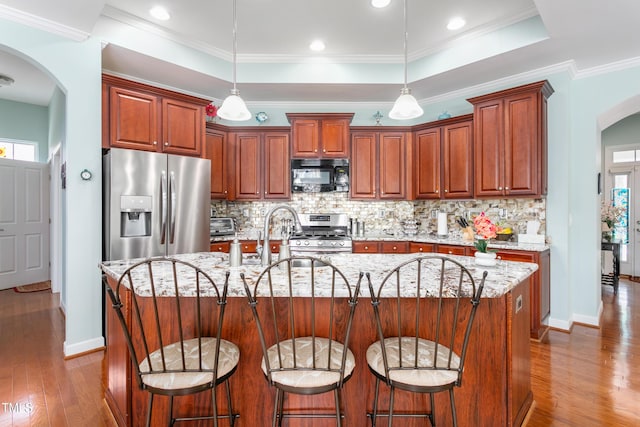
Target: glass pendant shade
x=233, y=108
x=406, y=106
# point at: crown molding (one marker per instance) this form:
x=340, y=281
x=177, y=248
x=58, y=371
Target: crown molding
x=608, y=68
x=34, y=21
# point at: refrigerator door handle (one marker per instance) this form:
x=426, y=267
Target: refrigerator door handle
x=163, y=207
x=172, y=207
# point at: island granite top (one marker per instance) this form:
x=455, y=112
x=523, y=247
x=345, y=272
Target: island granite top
x=501, y=278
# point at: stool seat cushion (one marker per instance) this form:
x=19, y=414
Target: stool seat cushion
x=173, y=379
x=305, y=376
x=424, y=375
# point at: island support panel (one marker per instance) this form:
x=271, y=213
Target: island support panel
x=496, y=386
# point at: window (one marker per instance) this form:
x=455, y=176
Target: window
x=18, y=150
x=626, y=156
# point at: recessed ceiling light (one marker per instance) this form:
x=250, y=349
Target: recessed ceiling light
x=160, y=13
x=456, y=23
x=317, y=45
x=380, y=3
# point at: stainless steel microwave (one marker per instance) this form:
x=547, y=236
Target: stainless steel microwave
x=319, y=175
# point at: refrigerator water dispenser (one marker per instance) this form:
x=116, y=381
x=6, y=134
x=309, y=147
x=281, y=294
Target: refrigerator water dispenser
x=135, y=216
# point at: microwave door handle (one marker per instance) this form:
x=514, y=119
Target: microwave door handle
x=163, y=207
x=172, y=207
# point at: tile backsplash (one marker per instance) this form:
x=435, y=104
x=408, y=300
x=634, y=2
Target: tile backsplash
x=387, y=215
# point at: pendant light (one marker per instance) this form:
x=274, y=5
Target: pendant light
x=406, y=106
x=233, y=108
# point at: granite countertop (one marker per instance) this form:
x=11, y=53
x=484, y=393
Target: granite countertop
x=501, y=278
x=401, y=237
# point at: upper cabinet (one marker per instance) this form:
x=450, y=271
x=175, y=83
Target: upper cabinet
x=510, y=141
x=142, y=117
x=318, y=135
x=378, y=165
x=443, y=165
x=217, y=151
x=261, y=165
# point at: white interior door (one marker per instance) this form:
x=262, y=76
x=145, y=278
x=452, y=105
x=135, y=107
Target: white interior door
x=24, y=223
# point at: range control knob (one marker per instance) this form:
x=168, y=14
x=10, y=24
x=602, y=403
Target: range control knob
x=306, y=243
x=298, y=243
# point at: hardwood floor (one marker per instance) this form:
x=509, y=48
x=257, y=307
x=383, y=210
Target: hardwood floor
x=590, y=377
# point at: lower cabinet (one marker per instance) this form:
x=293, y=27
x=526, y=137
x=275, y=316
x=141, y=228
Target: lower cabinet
x=540, y=293
x=219, y=247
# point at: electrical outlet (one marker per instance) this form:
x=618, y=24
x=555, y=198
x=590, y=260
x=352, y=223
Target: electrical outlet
x=381, y=213
x=245, y=212
x=502, y=212
x=434, y=214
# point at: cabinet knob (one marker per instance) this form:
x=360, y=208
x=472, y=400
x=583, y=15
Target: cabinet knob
x=366, y=248
x=499, y=188
x=446, y=191
x=257, y=192
x=395, y=248
x=324, y=150
x=506, y=188
x=420, y=250
x=155, y=142
x=437, y=191
x=166, y=144
x=450, y=252
x=315, y=151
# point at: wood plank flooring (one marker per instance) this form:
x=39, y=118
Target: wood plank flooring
x=590, y=377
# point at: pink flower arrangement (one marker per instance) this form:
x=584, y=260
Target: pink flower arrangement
x=211, y=110
x=485, y=229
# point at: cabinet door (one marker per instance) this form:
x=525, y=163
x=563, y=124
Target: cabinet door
x=392, y=169
x=305, y=134
x=277, y=182
x=457, y=143
x=488, y=148
x=369, y=247
x=428, y=160
x=363, y=166
x=215, y=149
x=335, y=138
x=182, y=127
x=521, y=146
x=134, y=120
x=248, y=166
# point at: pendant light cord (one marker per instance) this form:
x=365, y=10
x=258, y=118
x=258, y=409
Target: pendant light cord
x=406, y=37
x=235, y=43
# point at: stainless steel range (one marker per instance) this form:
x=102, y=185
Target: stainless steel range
x=322, y=233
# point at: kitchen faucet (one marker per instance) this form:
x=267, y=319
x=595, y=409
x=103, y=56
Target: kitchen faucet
x=264, y=250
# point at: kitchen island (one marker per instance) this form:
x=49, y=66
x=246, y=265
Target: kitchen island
x=496, y=387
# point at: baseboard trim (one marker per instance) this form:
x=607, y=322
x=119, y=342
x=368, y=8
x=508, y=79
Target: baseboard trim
x=82, y=348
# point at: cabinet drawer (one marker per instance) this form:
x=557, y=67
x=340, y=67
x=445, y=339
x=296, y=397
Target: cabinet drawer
x=451, y=250
x=421, y=247
x=219, y=247
x=394, y=247
x=365, y=247
x=248, y=247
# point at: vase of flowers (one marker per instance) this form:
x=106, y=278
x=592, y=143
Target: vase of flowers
x=610, y=215
x=485, y=230
x=211, y=112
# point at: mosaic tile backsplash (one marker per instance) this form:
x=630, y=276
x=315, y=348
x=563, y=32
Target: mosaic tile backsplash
x=381, y=216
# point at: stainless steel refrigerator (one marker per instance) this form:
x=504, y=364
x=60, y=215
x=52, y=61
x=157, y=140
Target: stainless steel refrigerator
x=154, y=204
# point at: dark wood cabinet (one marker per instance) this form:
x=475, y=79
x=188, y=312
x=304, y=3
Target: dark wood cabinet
x=451, y=249
x=318, y=135
x=261, y=165
x=416, y=247
x=220, y=247
x=510, y=141
x=540, y=289
x=392, y=247
x=366, y=247
x=143, y=117
x=443, y=154
x=216, y=150
x=379, y=165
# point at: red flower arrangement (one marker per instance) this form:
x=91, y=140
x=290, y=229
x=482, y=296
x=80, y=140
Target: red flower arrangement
x=211, y=110
x=485, y=229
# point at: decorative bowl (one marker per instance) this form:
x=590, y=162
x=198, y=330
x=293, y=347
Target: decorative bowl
x=504, y=237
